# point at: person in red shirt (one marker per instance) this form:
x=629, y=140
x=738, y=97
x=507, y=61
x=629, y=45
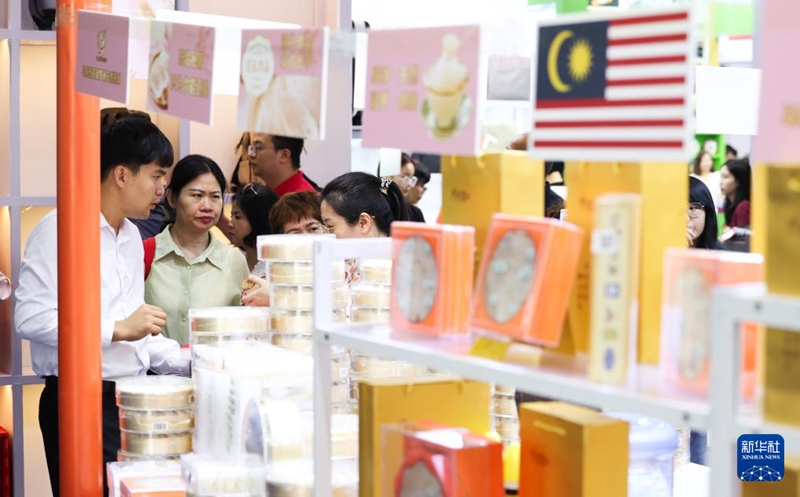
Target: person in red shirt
x=735, y=185
x=276, y=161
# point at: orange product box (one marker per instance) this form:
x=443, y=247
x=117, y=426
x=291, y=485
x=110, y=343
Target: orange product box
x=426, y=458
x=526, y=277
x=689, y=278
x=571, y=451
x=433, y=278
x=153, y=486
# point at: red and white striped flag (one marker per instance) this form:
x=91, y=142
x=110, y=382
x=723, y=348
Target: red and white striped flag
x=614, y=89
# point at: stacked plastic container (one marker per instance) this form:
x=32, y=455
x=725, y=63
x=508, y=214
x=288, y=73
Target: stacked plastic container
x=156, y=417
x=290, y=275
x=503, y=414
x=371, y=300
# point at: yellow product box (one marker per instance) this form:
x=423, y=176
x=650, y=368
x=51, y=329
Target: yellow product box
x=474, y=188
x=571, y=451
x=664, y=189
x=789, y=486
x=779, y=188
x=459, y=403
x=615, y=282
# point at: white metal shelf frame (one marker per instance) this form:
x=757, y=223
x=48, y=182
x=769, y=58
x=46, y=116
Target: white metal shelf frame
x=731, y=307
x=452, y=355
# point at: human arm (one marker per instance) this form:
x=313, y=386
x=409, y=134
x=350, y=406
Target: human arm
x=741, y=215
x=36, y=309
x=166, y=356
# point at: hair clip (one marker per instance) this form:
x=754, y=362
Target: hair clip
x=385, y=182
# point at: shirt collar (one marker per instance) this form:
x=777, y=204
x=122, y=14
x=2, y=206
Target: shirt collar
x=125, y=228
x=214, y=253
x=296, y=183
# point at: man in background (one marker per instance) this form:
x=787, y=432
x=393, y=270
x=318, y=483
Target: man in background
x=276, y=161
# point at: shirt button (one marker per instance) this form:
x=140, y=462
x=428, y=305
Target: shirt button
x=188, y=267
x=186, y=292
x=183, y=319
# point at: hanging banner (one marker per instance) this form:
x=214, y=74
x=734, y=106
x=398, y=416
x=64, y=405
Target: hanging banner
x=181, y=66
x=426, y=90
x=778, y=138
x=614, y=87
x=283, y=83
x=103, y=42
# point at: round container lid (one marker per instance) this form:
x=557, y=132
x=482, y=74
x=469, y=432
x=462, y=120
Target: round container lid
x=648, y=437
x=154, y=385
x=240, y=319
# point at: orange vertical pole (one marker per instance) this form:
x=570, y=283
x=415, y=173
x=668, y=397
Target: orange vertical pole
x=79, y=346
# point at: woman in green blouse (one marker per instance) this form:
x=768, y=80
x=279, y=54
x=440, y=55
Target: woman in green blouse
x=191, y=268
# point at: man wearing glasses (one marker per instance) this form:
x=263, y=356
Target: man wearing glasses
x=276, y=160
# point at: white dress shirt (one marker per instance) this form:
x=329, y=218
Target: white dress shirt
x=122, y=292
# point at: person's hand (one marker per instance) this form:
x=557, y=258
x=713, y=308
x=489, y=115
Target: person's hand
x=258, y=292
x=690, y=236
x=146, y=320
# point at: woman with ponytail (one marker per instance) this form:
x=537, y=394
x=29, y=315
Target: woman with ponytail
x=360, y=205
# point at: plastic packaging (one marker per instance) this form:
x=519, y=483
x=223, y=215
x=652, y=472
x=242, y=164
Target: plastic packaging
x=155, y=392
x=300, y=321
x=378, y=271
x=288, y=247
x=302, y=296
x=301, y=272
x=156, y=421
x=296, y=478
x=228, y=324
x=652, y=449
x=371, y=295
x=156, y=443
x=115, y=471
x=369, y=315
x=212, y=477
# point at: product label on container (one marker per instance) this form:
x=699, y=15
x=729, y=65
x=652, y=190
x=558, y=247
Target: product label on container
x=425, y=89
x=102, y=60
x=181, y=66
x=283, y=83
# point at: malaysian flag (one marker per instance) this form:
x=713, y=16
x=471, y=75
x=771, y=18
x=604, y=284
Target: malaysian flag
x=616, y=89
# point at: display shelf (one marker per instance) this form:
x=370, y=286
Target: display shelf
x=731, y=307
x=36, y=35
x=564, y=382
x=37, y=121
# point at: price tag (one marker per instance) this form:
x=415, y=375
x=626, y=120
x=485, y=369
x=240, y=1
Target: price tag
x=490, y=348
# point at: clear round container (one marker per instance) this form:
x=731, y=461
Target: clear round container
x=340, y=391
x=123, y=456
x=299, y=321
x=369, y=314
x=376, y=271
x=506, y=426
x=302, y=296
x=365, y=366
x=156, y=421
x=208, y=476
x=134, y=442
x=371, y=295
x=503, y=404
x=288, y=247
x=155, y=392
x=300, y=272
x=299, y=342
x=652, y=449
x=296, y=478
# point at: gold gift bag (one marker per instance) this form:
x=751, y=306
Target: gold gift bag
x=453, y=402
x=664, y=188
x=779, y=188
x=474, y=188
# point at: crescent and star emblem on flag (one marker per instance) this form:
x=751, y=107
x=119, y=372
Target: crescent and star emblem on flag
x=579, y=60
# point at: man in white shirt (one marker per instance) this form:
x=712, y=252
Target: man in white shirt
x=135, y=156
